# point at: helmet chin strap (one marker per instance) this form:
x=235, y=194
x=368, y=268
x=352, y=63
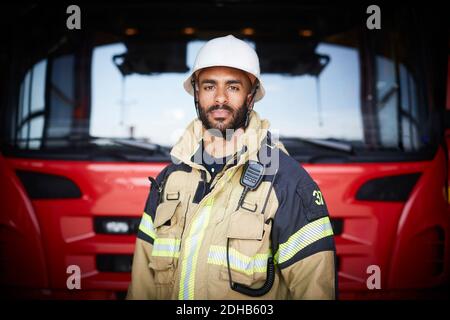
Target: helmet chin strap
x=195, y=97
x=251, y=102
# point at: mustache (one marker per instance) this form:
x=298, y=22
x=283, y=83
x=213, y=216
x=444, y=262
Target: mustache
x=220, y=107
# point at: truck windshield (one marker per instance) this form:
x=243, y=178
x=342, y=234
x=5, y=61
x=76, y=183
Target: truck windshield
x=331, y=88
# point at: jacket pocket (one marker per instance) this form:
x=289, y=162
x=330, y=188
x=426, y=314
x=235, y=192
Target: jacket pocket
x=249, y=243
x=165, y=214
x=166, y=246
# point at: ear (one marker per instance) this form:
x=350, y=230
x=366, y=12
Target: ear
x=196, y=79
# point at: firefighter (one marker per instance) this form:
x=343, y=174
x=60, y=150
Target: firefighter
x=233, y=216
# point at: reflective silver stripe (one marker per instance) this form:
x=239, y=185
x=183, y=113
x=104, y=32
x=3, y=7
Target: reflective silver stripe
x=166, y=247
x=238, y=261
x=307, y=235
x=192, y=247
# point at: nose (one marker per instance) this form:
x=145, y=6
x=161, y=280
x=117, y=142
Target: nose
x=221, y=96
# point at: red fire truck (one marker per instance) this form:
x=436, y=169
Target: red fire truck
x=89, y=113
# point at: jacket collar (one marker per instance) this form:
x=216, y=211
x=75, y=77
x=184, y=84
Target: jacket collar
x=248, y=143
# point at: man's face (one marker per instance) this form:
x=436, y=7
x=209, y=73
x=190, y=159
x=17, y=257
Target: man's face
x=223, y=96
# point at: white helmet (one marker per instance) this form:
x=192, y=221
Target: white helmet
x=227, y=52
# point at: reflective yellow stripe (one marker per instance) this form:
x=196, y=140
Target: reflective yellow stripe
x=448, y=194
x=146, y=226
x=192, y=246
x=307, y=235
x=166, y=247
x=238, y=261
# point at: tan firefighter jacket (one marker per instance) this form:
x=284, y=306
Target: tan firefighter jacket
x=181, y=247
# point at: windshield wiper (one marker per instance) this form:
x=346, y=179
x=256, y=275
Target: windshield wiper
x=141, y=145
x=327, y=144
x=84, y=140
x=135, y=143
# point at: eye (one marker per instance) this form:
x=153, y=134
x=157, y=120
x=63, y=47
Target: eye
x=234, y=88
x=208, y=88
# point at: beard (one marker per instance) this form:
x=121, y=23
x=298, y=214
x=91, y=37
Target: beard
x=236, y=120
